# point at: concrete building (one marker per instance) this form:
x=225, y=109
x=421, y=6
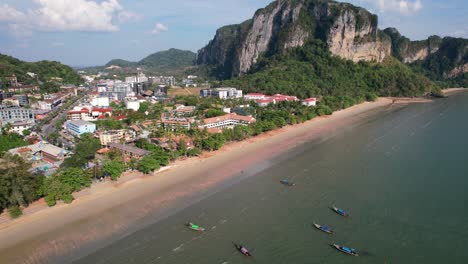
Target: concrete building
x=310, y=101
x=80, y=127
x=227, y=121
x=132, y=104
x=112, y=136
x=41, y=152
x=88, y=113
x=12, y=114
x=100, y=101
x=254, y=96
x=129, y=151
x=20, y=126
x=222, y=93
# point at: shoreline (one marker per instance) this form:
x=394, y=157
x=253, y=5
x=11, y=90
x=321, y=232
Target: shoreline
x=65, y=228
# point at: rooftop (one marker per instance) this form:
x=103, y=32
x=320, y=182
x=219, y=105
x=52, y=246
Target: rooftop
x=129, y=149
x=80, y=123
x=232, y=116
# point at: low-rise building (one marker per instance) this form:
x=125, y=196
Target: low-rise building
x=174, y=142
x=20, y=126
x=80, y=127
x=274, y=99
x=129, y=151
x=226, y=121
x=254, y=96
x=310, y=101
x=41, y=152
x=132, y=105
x=222, y=93
x=182, y=110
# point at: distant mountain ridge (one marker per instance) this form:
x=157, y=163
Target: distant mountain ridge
x=163, y=61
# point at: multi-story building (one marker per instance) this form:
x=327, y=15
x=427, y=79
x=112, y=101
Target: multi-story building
x=12, y=114
x=100, y=101
x=227, y=121
x=80, y=127
x=112, y=136
x=22, y=99
x=222, y=93
x=88, y=113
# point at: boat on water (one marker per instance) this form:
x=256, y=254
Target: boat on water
x=195, y=227
x=346, y=250
x=324, y=229
x=287, y=183
x=339, y=211
x=243, y=250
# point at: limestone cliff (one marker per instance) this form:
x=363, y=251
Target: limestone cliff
x=349, y=31
x=410, y=51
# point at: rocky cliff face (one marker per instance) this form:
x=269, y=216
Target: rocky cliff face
x=410, y=51
x=349, y=31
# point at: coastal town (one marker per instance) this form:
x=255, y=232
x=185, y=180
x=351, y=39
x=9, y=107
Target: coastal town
x=266, y=131
x=105, y=127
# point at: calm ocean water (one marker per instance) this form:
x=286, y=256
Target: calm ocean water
x=402, y=175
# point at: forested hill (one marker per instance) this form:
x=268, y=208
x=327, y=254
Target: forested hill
x=45, y=71
x=319, y=47
x=311, y=70
x=162, y=62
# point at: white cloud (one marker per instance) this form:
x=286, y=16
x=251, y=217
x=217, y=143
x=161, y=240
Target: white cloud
x=405, y=7
x=158, y=28
x=126, y=16
x=62, y=15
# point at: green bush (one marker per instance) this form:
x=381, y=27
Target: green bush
x=15, y=211
x=67, y=198
x=323, y=110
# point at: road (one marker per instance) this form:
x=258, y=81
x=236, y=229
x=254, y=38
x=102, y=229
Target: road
x=49, y=128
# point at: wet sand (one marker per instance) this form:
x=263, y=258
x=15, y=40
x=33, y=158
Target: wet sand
x=112, y=210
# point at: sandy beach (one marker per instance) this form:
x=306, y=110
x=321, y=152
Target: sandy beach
x=112, y=208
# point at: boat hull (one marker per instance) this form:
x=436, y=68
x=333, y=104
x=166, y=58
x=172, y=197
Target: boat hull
x=340, y=248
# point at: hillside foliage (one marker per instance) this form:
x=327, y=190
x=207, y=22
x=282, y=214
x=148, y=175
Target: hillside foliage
x=312, y=70
x=46, y=71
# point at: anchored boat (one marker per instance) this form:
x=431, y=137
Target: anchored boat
x=346, y=250
x=339, y=211
x=195, y=227
x=324, y=229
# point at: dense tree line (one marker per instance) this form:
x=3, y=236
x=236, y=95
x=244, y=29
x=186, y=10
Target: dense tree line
x=312, y=70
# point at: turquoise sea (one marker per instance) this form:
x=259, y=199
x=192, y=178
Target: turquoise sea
x=401, y=173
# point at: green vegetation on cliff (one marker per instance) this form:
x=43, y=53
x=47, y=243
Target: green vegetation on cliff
x=312, y=70
x=45, y=71
x=440, y=65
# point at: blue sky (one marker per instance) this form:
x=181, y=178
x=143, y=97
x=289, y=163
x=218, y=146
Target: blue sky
x=92, y=32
